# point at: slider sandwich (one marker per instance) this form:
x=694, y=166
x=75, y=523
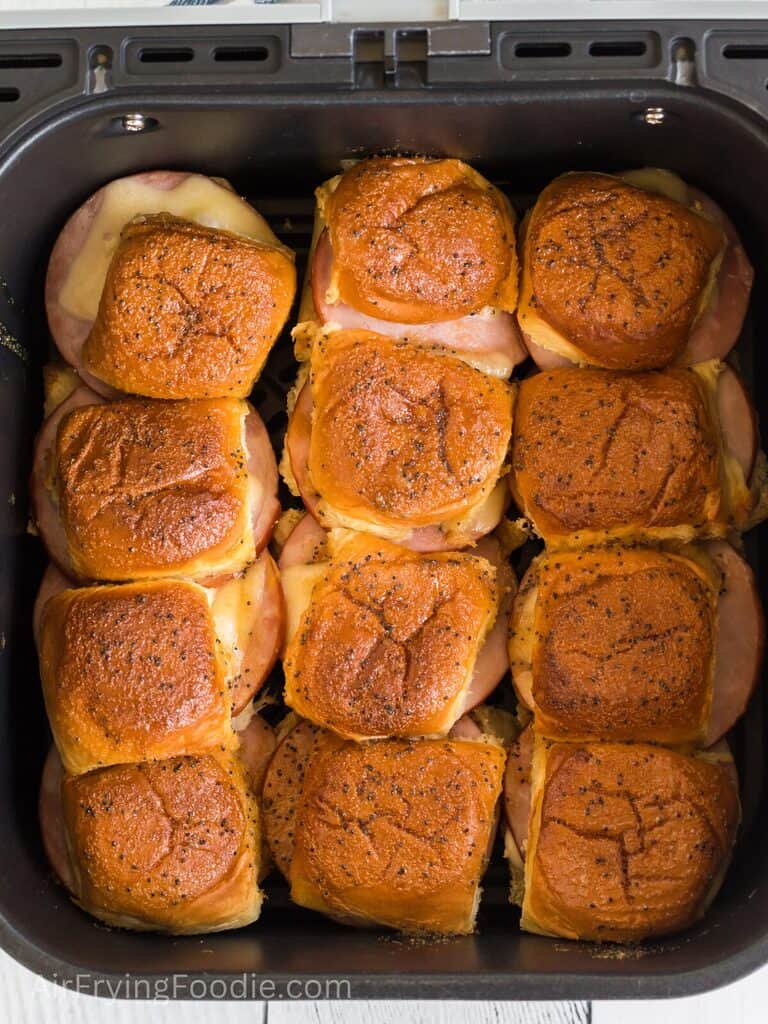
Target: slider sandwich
x=614, y=842
x=630, y=272
x=140, y=489
x=384, y=641
x=168, y=285
x=391, y=832
x=403, y=441
x=418, y=249
x=604, y=454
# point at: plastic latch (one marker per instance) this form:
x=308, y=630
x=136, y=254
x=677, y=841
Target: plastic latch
x=393, y=56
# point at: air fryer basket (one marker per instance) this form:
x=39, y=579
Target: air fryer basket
x=275, y=115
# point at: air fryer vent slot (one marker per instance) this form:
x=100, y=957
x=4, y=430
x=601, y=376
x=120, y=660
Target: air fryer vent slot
x=30, y=60
x=745, y=51
x=542, y=49
x=201, y=58
x=237, y=54
x=617, y=48
x=166, y=55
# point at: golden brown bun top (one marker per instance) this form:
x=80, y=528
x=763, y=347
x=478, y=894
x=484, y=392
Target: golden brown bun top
x=417, y=240
x=402, y=434
x=631, y=840
x=623, y=645
x=188, y=311
x=154, y=840
x=130, y=672
x=617, y=270
x=149, y=486
x=390, y=639
x=600, y=449
x=398, y=831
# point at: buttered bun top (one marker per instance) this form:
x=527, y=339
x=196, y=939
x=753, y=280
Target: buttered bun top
x=625, y=841
x=168, y=285
x=390, y=832
x=417, y=240
x=384, y=641
x=170, y=845
x=637, y=643
x=138, y=488
x=392, y=438
x=615, y=274
x=601, y=454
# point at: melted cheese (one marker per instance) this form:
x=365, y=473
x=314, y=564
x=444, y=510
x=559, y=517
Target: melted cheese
x=521, y=645
x=196, y=198
x=235, y=607
x=479, y=520
x=656, y=179
x=736, y=492
x=298, y=583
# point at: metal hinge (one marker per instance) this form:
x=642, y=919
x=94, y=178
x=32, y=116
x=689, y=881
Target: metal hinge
x=393, y=56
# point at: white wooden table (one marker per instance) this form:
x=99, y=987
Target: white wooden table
x=27, y=999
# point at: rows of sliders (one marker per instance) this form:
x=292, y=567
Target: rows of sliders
x=155, y=493
x=633, y=455
x=636, y=636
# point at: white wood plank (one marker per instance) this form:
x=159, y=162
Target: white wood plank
x=745, y=1002
x=27, y=999
x=427, y=1012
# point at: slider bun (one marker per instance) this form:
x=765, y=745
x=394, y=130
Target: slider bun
x=396, y=832
x=386, y=639
x=615, y=275
x=626, y=842
x=417, y=240
x=601, y=454
x=618, y=644
x=219, y=301
x=402, y=436
x=131, y=673
x=150, y=489
x=167, y=845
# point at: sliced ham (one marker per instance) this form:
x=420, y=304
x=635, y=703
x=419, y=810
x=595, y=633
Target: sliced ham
x=262, y=468
x=304, y=545
x=489, y=340
x=46, y=512
x=544, y=358
x=421, y=538
x=738, y=421
x=257, y=745
x=52, y=819
x=465, y=729
x=249, y=613
x=517, y=789
x=717, y=329
x=492, y=661
x=297, y=440
x=52, y=583
x=720, y=753
x=739, y=642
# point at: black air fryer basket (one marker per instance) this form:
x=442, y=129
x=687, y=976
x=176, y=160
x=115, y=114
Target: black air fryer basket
x=274, y=109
